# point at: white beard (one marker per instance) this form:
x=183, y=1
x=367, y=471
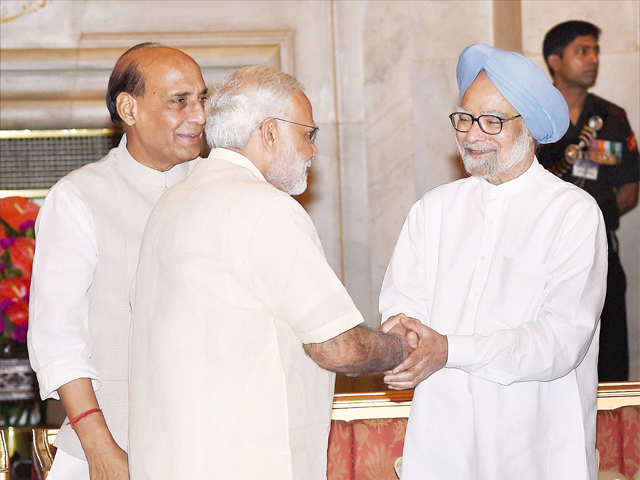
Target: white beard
x=290, y=173
x=498, y=163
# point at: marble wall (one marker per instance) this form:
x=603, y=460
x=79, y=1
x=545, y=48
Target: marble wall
x=381, y=77
x=395, y=135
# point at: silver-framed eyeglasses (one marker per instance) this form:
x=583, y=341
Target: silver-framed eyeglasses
x=489, y=124
x=311, y=134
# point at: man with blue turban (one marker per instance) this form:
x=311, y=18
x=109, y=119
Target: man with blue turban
x=505, y=272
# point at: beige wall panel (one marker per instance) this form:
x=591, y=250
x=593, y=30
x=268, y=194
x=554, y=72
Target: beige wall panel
x=616, y=18
x=396, y=85
x=81, y=74
x=444, y=28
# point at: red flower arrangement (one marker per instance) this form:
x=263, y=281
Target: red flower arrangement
x=17, y=246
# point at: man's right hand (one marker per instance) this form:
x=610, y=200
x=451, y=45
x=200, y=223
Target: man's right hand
x=429, y=357
x=107, y=461
x=110, y=463
x=393, y=326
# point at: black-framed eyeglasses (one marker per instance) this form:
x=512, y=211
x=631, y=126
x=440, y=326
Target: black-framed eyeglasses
x=311, y=134
x=489, y=124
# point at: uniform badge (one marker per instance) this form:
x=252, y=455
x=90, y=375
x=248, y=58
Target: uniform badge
x=605, y=152
x=585, y=169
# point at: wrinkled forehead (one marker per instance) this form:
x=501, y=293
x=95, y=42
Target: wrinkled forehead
x=482, y=96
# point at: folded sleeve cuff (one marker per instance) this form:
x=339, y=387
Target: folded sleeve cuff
x=461, y=350
x=50, y=380
x=332, y=329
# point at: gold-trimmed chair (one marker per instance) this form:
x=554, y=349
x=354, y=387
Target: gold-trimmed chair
x=5, y=467
x=42, y=453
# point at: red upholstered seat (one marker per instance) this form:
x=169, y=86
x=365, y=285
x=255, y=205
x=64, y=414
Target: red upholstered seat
x=618, y=439
x=630, y=417
x=365, y=449
x=609, y=440
x=377, y=443
x=340, y=457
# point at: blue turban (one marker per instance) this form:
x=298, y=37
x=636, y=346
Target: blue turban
x=522, y=83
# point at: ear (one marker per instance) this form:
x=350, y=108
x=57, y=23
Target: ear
x=555, y=62
x=270, y=134
x=127, y=107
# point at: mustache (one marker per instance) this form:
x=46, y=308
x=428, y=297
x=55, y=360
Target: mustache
x=478, y=146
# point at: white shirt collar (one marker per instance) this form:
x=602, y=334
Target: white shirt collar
x=141, y=173
x=237, y=159
x=514, y=186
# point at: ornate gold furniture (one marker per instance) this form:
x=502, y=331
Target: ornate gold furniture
x=43, y=451
x=4, y=457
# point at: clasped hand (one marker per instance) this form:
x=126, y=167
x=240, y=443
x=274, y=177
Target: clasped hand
x=427, y=352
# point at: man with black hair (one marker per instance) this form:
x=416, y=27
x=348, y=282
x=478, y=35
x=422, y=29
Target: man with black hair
x=88, y=235
x=609, y=170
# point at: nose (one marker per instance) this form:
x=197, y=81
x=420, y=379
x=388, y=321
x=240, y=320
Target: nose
x=474, y=134
x=198, y=115
x=315, y=150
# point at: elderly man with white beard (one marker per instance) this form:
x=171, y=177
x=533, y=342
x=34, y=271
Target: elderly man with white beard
x=505, y=272
x=238, y=316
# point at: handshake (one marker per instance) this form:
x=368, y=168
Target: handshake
x=425, y=351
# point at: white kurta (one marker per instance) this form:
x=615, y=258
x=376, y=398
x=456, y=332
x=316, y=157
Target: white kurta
x=232, y=281
x=514, y=275
x=88, y=236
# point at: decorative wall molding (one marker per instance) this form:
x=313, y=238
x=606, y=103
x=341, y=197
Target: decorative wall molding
x=14, y=10
x=65, y=88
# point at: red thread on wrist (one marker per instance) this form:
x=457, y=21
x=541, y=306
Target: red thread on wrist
x=77, y=418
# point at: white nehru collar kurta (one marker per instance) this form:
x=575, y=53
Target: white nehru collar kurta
x=514, y=275
x=88, y=234
x=232, y=281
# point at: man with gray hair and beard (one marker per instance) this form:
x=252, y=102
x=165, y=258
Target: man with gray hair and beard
x=238, y=317
x=505, y=272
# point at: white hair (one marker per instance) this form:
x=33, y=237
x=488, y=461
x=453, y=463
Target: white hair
x=246, y=98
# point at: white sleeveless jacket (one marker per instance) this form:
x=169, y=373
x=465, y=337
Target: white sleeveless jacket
x=88, y=236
